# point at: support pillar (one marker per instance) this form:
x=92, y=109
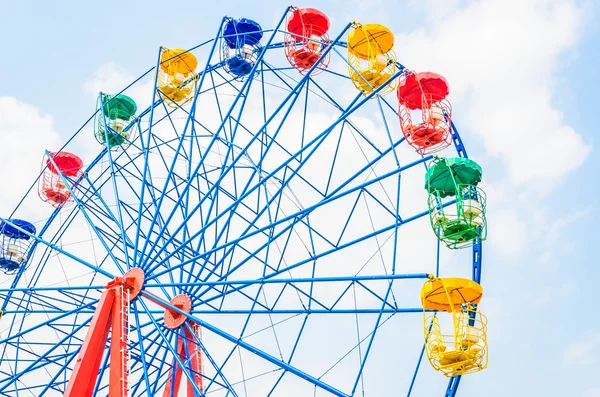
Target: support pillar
x=188, y=349
x=111, y=313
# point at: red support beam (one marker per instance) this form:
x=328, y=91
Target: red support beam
x=85, y=372
x=187, y=350
x=111, y=311
x=172, y=386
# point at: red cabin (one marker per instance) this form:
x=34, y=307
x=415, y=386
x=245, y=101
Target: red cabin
x=307, y=39
x=51, y=187
x=423, y=95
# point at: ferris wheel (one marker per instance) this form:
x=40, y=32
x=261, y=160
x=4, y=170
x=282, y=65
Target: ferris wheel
x=253, y=230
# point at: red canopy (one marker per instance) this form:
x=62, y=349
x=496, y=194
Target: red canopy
x=412, y=88
x=67, y=163
x=306, y=22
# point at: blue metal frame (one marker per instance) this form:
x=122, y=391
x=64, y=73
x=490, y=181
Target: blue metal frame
x=197, y=229
x=453, y=383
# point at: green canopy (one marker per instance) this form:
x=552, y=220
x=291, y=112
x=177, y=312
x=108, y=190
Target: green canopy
x=445, y=174
x=118, y=107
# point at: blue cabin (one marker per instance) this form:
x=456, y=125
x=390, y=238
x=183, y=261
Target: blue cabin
x=241, y=46
x=15, y=243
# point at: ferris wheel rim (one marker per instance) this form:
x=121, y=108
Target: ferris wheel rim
x=191, y=316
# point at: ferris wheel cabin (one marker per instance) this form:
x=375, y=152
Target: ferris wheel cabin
x=424, y=95
x=241, y=46
x=370, y=57
x=306, y=39
x=58, y=170
x=115, y=125
x=460, y=223
x=176, y=76
x=15, y=244
x=459, y=347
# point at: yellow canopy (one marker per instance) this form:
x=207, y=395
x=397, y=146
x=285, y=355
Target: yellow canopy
x=176, y=60
x=368, y=41
x=444, y=294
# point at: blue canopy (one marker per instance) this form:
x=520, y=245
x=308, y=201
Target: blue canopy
x=12, y=232
x=238, y=32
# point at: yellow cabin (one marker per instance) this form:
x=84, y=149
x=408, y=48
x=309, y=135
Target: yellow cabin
x=176, y=76
x=370, y=57
x=457, y=346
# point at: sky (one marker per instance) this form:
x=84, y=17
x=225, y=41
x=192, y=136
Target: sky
x=523, y=78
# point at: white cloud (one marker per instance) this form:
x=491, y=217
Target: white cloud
x=558, y=226
x=555, y=239
x=549, y=293
x=25, y=133
x=508, y=232
x=567, y=289
x=501, y=59
x=595, y=392
x=583, y=353
x=109, y=77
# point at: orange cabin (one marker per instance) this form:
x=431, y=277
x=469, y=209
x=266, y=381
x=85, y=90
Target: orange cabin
x=425, y=113
x=51, y=187
x=307, y=39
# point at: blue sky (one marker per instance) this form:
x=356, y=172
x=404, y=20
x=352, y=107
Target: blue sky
x=524, y=80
